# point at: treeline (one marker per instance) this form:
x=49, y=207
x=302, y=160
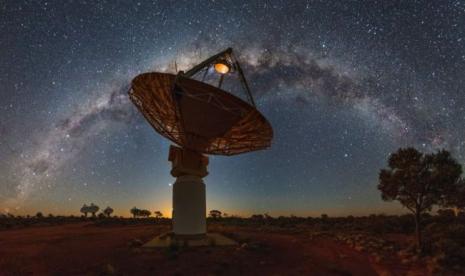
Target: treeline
x=107, y=212
x=90, y=212
x=10, y=221
x=137, y=213
x=375, y=223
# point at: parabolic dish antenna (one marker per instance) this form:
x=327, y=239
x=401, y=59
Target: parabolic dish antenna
x=201, y=118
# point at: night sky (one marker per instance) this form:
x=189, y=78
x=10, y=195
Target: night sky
x=343, y=83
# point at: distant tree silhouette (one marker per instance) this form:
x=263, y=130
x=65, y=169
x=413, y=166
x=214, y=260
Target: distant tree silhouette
x=418, y=181
x=215, y=214
x=324, y=216
x=108, y=211
x=158, y=214
x=135, y=212
x=93, y=209
x=140, y=212
x=145, y=213
x=39, y=215
x=446, y=213
x=257, y=217
x=84, y=210
x=455, y=198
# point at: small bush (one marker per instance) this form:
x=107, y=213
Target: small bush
x=446, y=242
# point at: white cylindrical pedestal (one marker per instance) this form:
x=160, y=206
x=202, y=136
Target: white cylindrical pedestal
x=189, y=206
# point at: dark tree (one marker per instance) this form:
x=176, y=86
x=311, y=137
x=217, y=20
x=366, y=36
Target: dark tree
x=93, y=209
x=158, y=214
x=39, y=215
x=145, y=213
x=455, y=198
x=216, y=214
x=108, y=211
x=257, y=217
x=135, y=212
x=446, y=213
x=419, y=181
x=84, y=210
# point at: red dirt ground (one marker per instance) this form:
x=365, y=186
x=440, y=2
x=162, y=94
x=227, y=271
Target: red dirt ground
x=84, y=248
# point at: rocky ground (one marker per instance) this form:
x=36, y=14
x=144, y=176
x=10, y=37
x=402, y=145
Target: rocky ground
x=92, y=249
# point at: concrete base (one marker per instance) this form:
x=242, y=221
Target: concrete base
x=189, y=206
x=189, y=201
x=169, y=239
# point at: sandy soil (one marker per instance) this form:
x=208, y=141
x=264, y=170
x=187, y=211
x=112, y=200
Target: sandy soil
x=84, y=248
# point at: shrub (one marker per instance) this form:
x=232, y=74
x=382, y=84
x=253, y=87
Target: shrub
x=446, y=242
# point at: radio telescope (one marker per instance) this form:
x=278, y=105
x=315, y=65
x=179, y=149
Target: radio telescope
x=193, y=111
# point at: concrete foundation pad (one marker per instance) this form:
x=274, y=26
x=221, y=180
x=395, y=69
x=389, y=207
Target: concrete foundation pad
x=168, y=239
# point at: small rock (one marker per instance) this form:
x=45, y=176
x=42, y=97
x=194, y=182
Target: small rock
x=108, y=269
x=387, y=248
x=135, y=243
x=378, y=258
x=405, y=260
x=403, y=254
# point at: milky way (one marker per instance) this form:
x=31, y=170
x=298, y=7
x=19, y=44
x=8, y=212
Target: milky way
x=343, y=84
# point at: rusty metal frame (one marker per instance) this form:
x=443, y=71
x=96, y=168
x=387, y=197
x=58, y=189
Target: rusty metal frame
x=152, y=94
x=226, y=54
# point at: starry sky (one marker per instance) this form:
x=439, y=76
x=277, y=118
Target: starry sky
x=343, y=83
